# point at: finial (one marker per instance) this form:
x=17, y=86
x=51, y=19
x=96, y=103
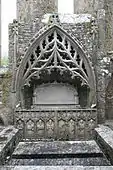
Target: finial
x=54, y=19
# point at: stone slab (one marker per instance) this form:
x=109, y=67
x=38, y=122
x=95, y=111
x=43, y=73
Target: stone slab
x=60, y=162
x=57, y=168
x=6, y=134
x=104, y=137
x=106, y=133
x=74, y=148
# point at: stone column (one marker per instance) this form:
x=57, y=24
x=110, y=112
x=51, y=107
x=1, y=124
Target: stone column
x=99, y=10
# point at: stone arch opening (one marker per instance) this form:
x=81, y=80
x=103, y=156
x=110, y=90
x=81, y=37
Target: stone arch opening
x=54, y=58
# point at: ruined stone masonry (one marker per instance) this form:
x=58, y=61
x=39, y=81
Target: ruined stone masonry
x=60, y=93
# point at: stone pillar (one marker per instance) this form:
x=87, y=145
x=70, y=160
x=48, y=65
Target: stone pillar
x=28, y=11
x=101, y=54
x=97, y=9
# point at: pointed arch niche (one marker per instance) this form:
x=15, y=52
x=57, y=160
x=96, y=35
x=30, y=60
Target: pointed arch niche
x=55, y=70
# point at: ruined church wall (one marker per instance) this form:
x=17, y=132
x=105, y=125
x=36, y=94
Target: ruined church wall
x=28, y=11
x=89, y=6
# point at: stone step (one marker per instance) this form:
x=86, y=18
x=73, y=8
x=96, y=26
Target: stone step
x=58, y=153
x=57, y=149
x=56, y=168
x=99, y=161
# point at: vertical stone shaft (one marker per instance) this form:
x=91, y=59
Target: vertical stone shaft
x=109, y=55
x=109, y=24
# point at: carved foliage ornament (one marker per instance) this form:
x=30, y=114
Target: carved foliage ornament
x=55, y=51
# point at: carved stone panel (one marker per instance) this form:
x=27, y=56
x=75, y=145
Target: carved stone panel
x=50, y=128
x=71, y=129
x=40, y=129
x=30, y=129
x=57, y=124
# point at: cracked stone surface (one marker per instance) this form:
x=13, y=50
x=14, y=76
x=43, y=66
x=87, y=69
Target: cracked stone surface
x=57, y=147
x=58, y=153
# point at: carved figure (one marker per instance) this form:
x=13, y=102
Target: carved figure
x=20, y=124
x=30, y=127
x=71, y=128
x=50, y=128
x=40, y=129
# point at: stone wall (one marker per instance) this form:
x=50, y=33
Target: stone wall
x=102, y=10
x=5, y=100
x=89, y=6
x=1, y=79
x=28, y=11
x=83, y=6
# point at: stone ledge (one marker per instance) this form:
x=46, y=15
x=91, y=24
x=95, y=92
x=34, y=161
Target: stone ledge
x=56, y=168
x=104, y=137
x=98, y=161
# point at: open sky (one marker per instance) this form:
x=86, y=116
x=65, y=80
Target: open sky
x=9, y=13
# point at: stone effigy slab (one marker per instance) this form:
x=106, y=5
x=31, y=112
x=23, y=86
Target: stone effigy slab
x=57, y=148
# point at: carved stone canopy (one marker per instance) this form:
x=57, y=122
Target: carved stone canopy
x=55, y=51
